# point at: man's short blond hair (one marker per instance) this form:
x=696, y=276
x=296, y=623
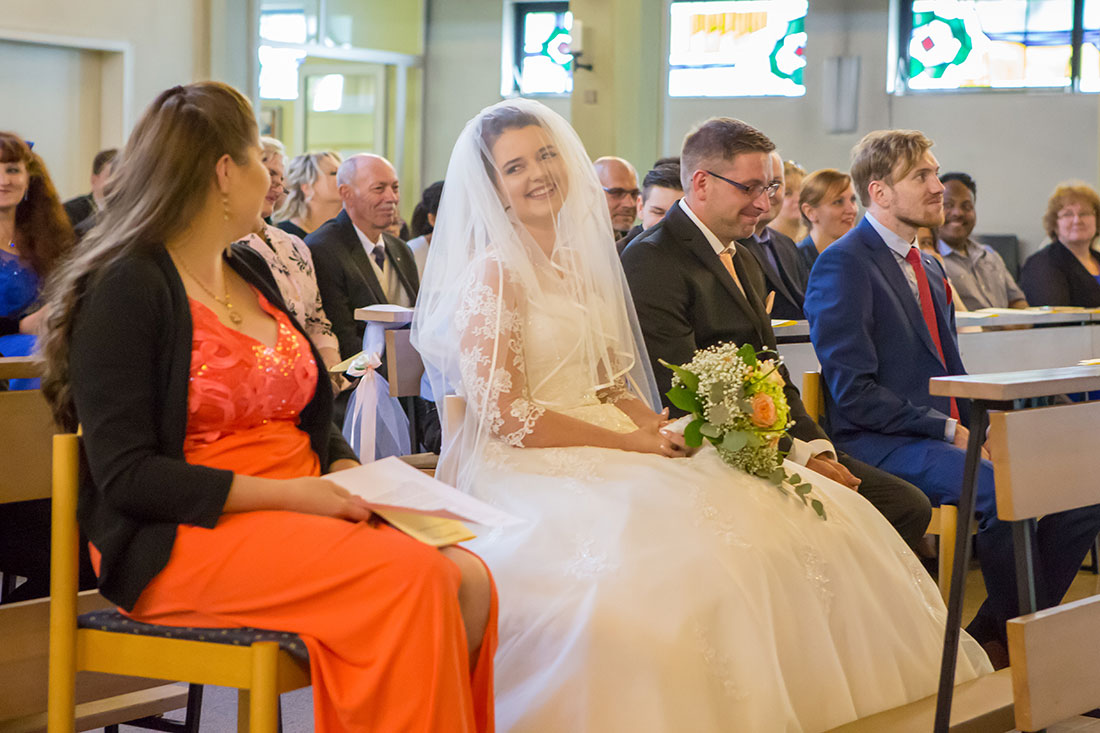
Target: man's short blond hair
x=876, y=156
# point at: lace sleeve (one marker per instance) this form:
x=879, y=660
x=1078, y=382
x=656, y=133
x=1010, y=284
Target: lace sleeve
x=491, y=361
x=616, y=393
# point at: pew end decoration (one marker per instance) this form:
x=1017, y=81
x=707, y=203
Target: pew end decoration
x=736, y=401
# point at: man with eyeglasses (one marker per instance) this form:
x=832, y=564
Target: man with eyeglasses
x=694, y=286
x=620, y=185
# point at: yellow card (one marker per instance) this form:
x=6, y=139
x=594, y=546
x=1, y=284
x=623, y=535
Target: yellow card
x=434, y=531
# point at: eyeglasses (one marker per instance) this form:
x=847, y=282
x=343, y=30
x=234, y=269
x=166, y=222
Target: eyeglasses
x=752, y=191
x=619, y=193
x=1081, y=215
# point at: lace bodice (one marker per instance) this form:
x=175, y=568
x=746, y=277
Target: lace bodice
x=520, y=359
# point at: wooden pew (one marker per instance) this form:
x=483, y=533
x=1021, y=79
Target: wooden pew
x=1054, y=652
x=25, y=474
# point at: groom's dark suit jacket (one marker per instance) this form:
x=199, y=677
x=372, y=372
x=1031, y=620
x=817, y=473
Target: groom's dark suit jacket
x=686, y=300
x=347, y=280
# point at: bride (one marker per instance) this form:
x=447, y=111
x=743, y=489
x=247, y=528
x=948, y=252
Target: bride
x=648, y=590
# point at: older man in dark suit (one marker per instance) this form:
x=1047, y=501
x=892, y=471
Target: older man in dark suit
x=784, y=267
x=357, y=262
x=693, y=287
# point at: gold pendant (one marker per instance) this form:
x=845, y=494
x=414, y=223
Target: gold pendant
x=235, y=317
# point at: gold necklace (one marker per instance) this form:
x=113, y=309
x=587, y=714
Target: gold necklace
x=234, y=316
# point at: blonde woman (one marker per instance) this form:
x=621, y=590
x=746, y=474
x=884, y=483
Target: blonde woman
x=312, y=198
x=291, y=263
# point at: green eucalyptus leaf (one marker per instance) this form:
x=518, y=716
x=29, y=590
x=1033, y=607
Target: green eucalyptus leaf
x=690, y=379
x=796, y=479
x=719, y=414
x=748, y=354
x=685, y=399
x=717, y=393
x=735, y=440
x=693, y=432
x=710, y=430
x=777, y=476
x=819, y=508
x=803, y=489
x=753, y=440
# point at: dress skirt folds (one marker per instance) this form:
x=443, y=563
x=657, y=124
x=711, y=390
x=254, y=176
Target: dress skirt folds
x=378, y=611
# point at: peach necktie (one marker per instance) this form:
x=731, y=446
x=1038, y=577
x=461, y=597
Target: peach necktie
x=726, y=256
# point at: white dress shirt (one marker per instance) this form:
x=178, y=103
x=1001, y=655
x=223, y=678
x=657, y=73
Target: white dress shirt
x=387, y=273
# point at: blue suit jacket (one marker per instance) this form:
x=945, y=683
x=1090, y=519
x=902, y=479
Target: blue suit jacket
x=875, y=351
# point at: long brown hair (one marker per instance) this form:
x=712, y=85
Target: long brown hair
x=42, y=231
x=167, y=169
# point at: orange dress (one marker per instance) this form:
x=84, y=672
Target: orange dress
x=378, y=611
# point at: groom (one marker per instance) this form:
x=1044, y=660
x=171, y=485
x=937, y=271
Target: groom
x=693, y=287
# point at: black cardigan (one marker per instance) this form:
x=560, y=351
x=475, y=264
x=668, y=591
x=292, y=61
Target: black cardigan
x=1054, y=276
x=130, y=363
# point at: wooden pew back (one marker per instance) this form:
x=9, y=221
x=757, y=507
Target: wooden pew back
x=1045, y=459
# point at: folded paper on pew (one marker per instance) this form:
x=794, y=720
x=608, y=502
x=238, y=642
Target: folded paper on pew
x=392, y=484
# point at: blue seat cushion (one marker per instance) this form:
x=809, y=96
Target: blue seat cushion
x=115, y=622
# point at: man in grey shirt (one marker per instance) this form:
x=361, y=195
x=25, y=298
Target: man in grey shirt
x=976, y=271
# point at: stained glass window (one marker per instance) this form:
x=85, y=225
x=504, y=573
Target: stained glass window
x=734, y=48
x=956, y=44
x=543, y=64
x=1090, y=47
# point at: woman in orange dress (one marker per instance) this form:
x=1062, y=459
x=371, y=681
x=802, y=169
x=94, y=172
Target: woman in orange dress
x=207, y=427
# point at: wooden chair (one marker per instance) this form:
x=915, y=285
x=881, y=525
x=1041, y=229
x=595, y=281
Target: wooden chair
x=945, y=517
x=24, y=627
x=261, y=664
x=1054, y=671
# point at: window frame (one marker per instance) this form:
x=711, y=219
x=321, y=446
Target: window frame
x=519, y=19
x=903, y=30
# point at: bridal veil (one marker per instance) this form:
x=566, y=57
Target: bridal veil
x=484, y=272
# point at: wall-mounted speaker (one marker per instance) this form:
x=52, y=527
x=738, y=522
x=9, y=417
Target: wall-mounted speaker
x=840, y=94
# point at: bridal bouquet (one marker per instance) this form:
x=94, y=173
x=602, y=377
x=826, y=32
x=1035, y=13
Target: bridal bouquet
x=736, y=400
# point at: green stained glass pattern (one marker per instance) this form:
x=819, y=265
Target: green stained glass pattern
x=736, y=48
x=959, y=44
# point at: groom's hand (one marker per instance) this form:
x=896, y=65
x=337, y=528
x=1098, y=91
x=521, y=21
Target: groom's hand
x=833, y=469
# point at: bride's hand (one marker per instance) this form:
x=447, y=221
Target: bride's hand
x=652, y=440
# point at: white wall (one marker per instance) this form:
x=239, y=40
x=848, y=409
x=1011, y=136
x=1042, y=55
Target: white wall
x=168, y=45
x=64, y=124
x=1017, y=146
x=462, y=74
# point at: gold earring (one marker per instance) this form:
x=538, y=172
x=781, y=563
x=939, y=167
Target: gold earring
x=225, y=206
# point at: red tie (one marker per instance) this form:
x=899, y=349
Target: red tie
x=928, y=311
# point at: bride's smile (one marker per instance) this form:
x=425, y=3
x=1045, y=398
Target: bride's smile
x=532, y=177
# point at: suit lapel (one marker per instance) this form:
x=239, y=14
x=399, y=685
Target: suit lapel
x=361, y=260
x=692, y=237
x=890, y=268
x=773, y=276
x=791, y=262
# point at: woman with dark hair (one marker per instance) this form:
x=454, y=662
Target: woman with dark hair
x=207, y=422
x=34, y=235
x=423, y=222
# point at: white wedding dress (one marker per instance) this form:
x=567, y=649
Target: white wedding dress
x=656, y=594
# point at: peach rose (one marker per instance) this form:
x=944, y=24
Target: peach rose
x=763, y=410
